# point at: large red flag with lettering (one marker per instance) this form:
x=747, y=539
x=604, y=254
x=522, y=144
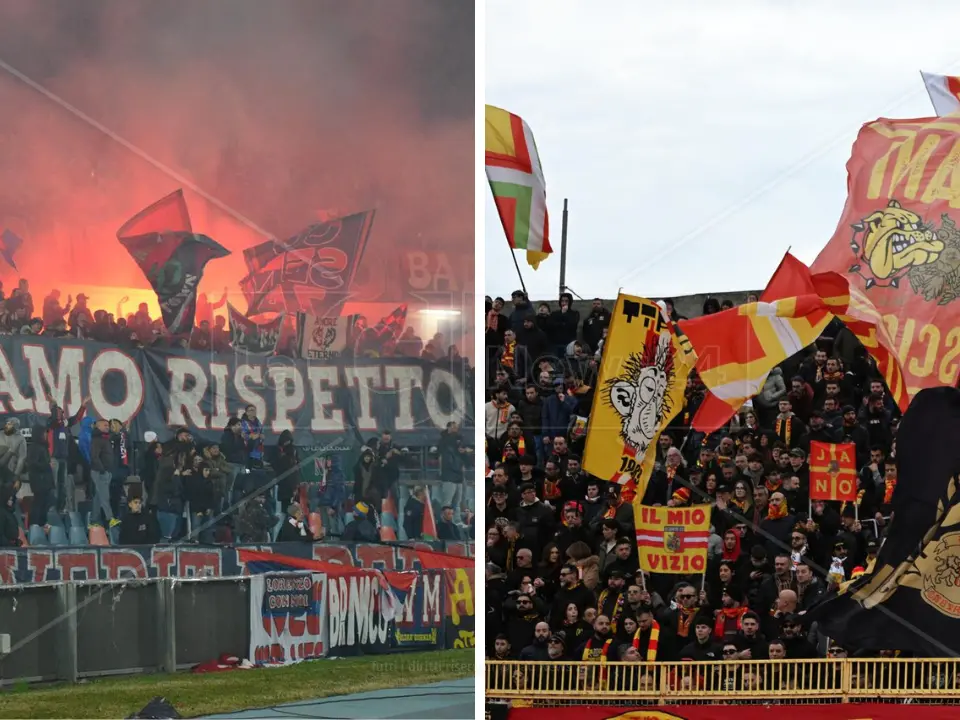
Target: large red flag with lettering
x=898, y=244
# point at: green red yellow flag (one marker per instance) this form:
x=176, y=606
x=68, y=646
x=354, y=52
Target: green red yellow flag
x=516, y=180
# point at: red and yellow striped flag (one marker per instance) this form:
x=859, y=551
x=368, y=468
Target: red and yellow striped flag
x=852, y=307
x=737, y=349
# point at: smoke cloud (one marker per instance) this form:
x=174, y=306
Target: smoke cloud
x=279, y=108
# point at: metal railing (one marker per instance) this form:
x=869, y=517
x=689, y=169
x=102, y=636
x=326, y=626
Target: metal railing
x=822, y=680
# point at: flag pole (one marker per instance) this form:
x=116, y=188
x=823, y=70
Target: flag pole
x=563, y=249
x=513, y=254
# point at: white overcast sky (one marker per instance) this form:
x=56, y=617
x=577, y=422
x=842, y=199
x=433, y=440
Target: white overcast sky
x=696, y=141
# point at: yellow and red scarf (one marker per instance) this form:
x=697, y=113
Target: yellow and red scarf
x=652, y=644
x=685, y=618
x=509, y=354
x=775, y=512
x=551, y=490
x=603, y=651
x=786, y=425
x=773, y=486
x=617, y=607
x=888, y=487
x=729, y=614
x=518, y=444
x=504, y=411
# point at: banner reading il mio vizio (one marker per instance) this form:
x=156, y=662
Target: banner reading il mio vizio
x=853, y=711
x=898, y=241
x=160, y=390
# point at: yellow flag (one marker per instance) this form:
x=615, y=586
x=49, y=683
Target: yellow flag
x=643, y=375
x=672, y=540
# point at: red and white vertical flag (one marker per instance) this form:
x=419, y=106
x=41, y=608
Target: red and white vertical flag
x=944, y=92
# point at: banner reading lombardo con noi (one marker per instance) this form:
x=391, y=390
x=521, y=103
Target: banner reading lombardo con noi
x=161, y=390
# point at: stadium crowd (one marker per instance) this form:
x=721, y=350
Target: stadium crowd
x=562, y=577
x=80, y=479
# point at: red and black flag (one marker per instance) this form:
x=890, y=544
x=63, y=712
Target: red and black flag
x=251, y=337
x=171, y=256
x=309, y=272
x=391, y=327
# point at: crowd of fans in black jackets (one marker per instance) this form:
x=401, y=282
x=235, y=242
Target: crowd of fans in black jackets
x=562, y=577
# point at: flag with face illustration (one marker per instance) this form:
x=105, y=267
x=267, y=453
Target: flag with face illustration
x=641, y=386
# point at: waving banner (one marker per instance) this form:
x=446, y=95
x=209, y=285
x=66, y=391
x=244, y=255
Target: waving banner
x=287, y=617
x=642, y=380
x=898, y=242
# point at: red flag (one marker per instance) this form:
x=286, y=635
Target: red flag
x=833, y=471
x=854, y=309
x=429, y=526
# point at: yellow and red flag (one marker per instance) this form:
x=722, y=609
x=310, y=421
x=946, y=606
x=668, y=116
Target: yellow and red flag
x=672, y=540
x=517, y=182
x=833, y=471
x=852, y=307
x=643, y=376
x=736, y=349
x=898, y=241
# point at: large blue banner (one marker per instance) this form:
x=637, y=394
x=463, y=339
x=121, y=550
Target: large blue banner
x=334, y=405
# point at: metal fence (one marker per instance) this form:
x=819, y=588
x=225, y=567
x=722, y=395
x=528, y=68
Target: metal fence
x=795, y=681
x=69, y=631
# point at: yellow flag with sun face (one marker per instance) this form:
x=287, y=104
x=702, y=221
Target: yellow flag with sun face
x=643, y=375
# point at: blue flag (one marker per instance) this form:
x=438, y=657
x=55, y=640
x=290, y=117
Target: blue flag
x=9, y=243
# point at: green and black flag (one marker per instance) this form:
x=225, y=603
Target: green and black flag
x=161, y=240
x=909, y=599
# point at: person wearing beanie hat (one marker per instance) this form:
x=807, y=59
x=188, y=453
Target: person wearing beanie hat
x=729, y=619
x=362, y=528
x=703, y=647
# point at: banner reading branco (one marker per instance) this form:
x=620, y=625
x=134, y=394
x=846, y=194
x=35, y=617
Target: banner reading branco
x=640, y=389
x=898, y=241
x=160, y=390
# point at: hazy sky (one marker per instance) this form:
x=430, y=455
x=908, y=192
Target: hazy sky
x=696, y=141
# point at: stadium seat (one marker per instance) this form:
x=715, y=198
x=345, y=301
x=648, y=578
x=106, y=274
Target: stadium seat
x=36, y=536
x=58, y=536
x=74, y=519
x=98, y=536
x=77, y=535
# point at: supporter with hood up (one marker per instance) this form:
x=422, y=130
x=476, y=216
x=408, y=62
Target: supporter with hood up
x=9, y=527
x=102, y=461
x=363, y=475
x=287, y=466
x=59, y=441
x=13, y=448
x=138, y=527
x=563, y=324
x=41, y=477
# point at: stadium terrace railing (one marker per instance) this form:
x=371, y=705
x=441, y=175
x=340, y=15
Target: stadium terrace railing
x=822, y=680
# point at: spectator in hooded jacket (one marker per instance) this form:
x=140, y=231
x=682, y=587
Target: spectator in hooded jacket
x=9, y=526
x=255, y=522
x=120, y=442
x=234, y=450
x=138, y=527
x=102, y=461
x=252, y=431
x=60, y=440
x=13, y=448
x=41, y=477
